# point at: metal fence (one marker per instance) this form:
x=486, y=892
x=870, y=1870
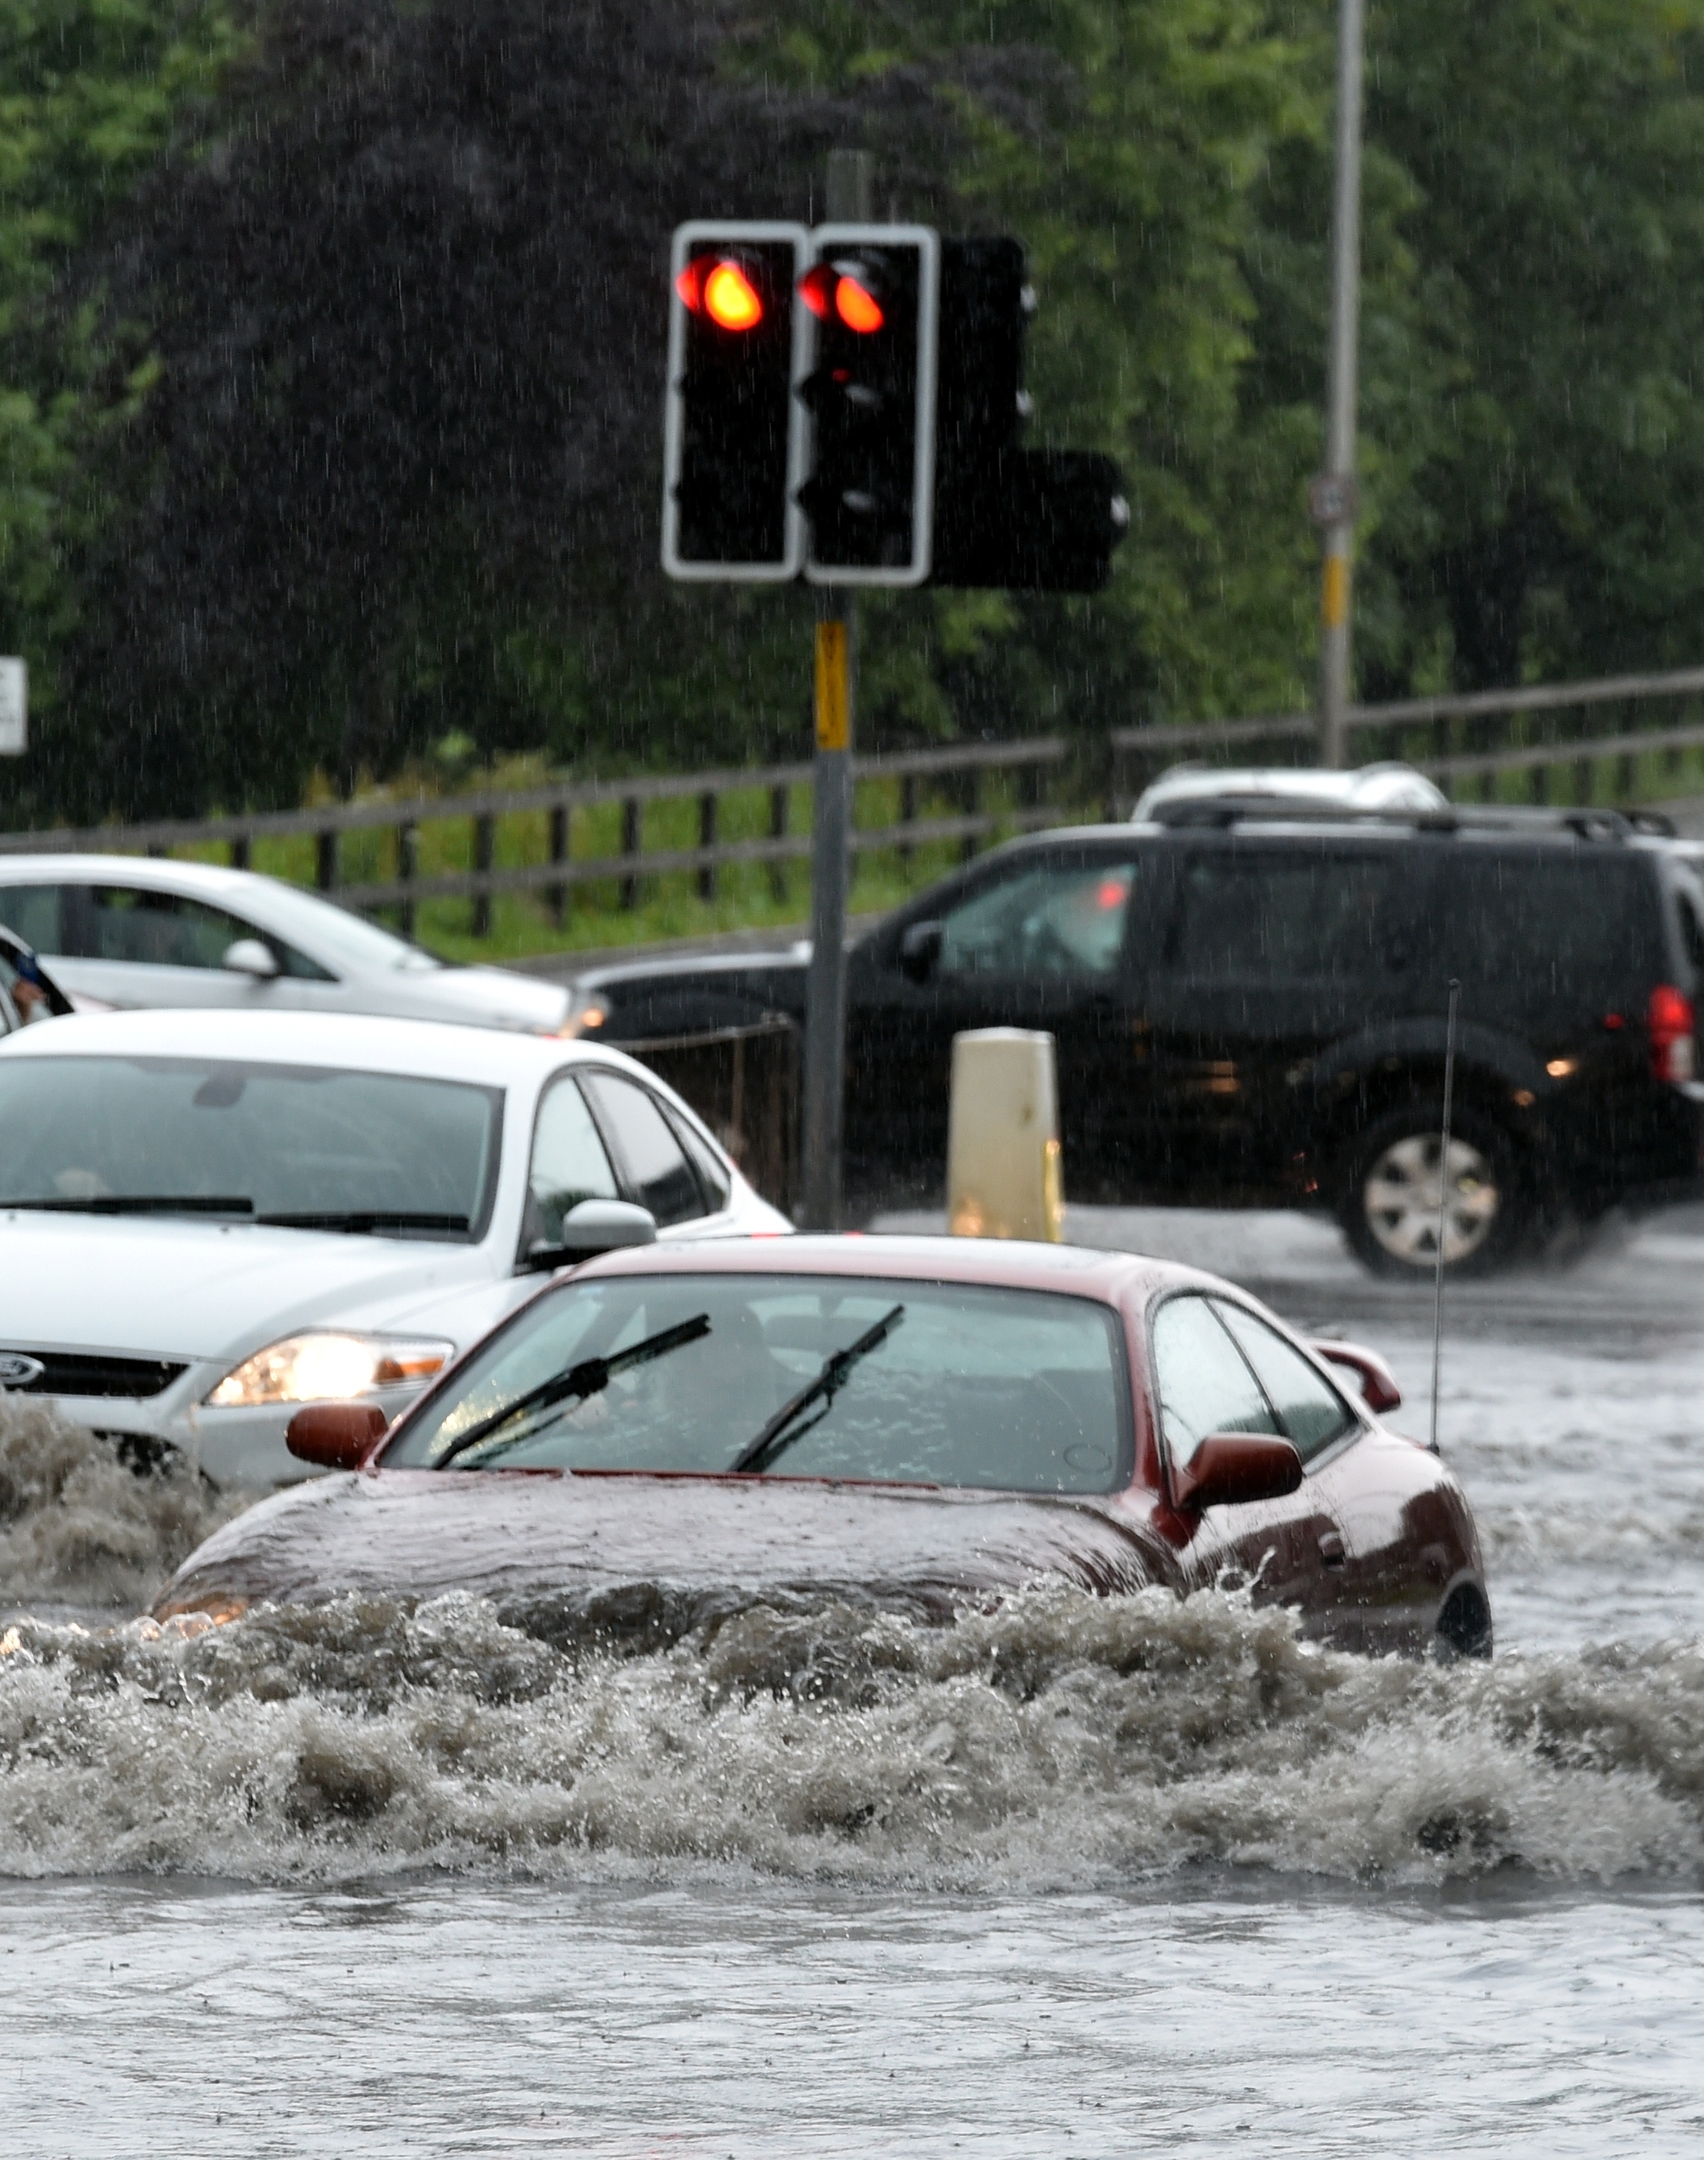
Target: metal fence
x=1551, y=736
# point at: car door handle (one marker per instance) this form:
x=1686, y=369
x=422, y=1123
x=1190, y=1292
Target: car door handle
x=1331, y=1548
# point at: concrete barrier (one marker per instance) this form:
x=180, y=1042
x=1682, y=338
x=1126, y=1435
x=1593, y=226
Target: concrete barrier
x=1003, y=1172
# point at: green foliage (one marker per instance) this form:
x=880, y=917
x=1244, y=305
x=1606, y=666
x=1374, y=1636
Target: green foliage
x=91, y=92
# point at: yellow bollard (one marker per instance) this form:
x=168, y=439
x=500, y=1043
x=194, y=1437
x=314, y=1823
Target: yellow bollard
x=1003, y=1177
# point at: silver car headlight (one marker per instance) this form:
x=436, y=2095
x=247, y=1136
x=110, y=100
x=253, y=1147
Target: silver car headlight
x=324, y=1366
x=586, y=1014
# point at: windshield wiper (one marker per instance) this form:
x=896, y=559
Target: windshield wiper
x=837, y=1370
x=362, y=1220
x=143, y=1204
x=590, y=1377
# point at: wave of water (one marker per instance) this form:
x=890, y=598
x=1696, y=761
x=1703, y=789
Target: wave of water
x=79, y=1527
x=1060, y=1738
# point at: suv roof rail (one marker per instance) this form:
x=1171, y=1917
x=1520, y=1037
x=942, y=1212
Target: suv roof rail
x=1580, y=824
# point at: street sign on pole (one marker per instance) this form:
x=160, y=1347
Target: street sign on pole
x=14, y=708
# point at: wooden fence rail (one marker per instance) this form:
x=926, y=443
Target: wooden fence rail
x=941, y=794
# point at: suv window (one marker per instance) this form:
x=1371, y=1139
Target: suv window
x=658, y=1175
x=568, y=1163
x=1309, y=1408
x=1048, y=921
x=1564, y=927
x=1284, y=918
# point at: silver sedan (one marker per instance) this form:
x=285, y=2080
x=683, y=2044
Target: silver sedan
x=129, y=932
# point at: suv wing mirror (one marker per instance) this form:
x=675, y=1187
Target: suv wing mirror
x=1379, y=1390
x=593, y=1226
x=1229, y=1467
x=336, y=1435
x=919, y=949
x=249, y=956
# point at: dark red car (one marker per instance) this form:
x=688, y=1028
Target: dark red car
x=906, y=1423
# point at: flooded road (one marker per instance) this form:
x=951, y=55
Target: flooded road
x=1071, y=1878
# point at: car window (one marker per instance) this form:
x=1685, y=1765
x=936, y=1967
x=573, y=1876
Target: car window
x=712, y=1174
x=1202, y=1381
x=1270, y=918
x=568, y=1163
x=1310, y=1410
x=658, y=1175
x=1565, y=927
x=138, y=924
x=1014, y=1390
x=32, y=912
x=1050, y=921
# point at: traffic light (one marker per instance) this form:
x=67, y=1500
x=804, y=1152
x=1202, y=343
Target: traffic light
x=733, y=436
x=1027, y=520
x=869, y=305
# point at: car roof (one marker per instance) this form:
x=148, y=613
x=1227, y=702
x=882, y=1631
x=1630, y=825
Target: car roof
x=212, y=879
x=999, y=1263
x=433, y=1049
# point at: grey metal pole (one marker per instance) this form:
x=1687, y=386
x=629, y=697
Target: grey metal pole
x=849, y=193
x=1334, y=499
x=825, y=1005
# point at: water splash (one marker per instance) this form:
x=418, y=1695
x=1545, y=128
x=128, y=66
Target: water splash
x=1060, y=1739
x=79, y=1527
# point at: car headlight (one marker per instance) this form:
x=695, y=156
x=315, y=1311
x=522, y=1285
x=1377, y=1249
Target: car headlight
x=327, y=1367
x=585, y=1016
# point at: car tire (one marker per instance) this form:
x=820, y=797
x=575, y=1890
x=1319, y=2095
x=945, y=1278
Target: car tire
x=1389, y=1199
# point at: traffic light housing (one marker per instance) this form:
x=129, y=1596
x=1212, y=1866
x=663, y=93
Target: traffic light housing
x=733, y=438
x=1025, y=520
x=869, y=306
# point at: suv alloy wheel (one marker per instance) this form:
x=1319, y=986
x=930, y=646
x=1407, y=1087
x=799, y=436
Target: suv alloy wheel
x=1389, y=1206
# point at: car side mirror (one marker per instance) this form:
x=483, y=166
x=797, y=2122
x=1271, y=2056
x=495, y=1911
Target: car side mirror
x=249, y=956
x=336, y=1435
x=593, y=1226
x=919, y=950
x=1379, y=1390
x=1229, y=1467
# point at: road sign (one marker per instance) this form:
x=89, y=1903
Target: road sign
x=733, y=432
x=14, y=708
x=870, y=299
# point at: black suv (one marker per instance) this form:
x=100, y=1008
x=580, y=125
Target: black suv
x=1249, y=1007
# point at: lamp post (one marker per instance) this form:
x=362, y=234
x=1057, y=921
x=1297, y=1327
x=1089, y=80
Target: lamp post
x=1333, y=499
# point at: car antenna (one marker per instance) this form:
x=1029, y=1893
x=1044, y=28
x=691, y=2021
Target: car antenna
x=1443, y=1199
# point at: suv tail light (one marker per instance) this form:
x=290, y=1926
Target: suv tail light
x=1670, y=1021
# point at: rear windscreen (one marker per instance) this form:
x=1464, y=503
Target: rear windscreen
x=1557, y=928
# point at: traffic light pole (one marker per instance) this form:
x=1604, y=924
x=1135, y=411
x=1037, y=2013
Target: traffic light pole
x=847, y=199
x=1334, y=491
x=825, y=1009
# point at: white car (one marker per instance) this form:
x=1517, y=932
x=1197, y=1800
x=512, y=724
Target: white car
x=1386, y=786
x=208, y=1219
x=128, y=931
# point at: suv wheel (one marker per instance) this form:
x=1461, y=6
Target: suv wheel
x=1390, y=1201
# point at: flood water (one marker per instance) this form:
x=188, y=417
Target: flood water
x=1075, y=1877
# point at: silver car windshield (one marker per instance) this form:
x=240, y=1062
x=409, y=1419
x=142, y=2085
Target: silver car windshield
x=307, y=1146
x=336, y=937
x=1007, y=1390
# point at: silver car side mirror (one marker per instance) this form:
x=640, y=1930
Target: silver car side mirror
x=248, y=956
x=593, y=1226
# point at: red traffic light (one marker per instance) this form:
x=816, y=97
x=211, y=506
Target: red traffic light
x=828, y=290
x=717, y=286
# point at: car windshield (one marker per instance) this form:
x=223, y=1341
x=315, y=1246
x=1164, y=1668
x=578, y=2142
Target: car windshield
x=337, y=937
x=348, y=1150
x=1009, y=1390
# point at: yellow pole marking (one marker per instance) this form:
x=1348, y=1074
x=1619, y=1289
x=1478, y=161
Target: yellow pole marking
x=1334, y=592
x=833, y=691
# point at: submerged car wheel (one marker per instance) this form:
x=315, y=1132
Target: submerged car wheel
x=1397, y=1179
x=1464, y=1626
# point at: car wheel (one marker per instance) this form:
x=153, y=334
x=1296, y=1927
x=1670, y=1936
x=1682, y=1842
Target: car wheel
x=1389, y=1209
x=1464, y=1626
